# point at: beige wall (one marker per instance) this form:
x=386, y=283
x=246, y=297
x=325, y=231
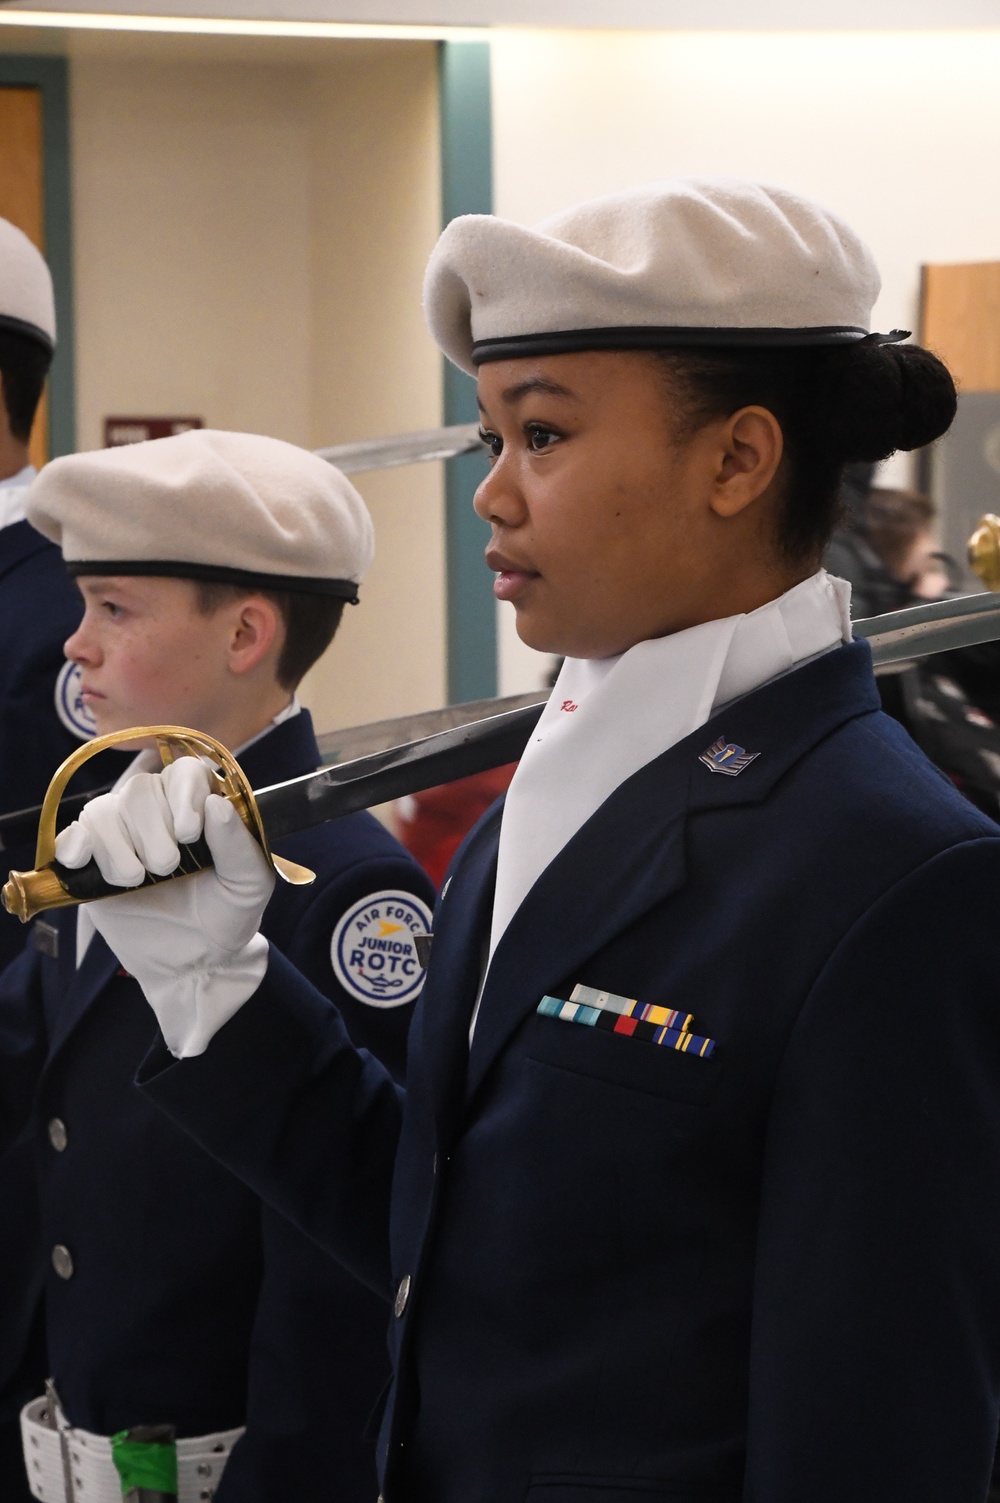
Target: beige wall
x=899, y=132
x=375, y=370
x=250, y=235
x=191, y=245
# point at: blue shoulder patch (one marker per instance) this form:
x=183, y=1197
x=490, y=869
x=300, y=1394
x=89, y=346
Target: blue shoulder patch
x=373, y=949
x=70, y=708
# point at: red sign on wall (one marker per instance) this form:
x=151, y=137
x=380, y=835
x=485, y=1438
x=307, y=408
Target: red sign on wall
x=135, y=430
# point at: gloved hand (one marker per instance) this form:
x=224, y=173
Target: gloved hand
x=193, y=945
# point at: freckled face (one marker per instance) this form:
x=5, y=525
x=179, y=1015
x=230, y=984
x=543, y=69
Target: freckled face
x=148, y=656
x=602, y=534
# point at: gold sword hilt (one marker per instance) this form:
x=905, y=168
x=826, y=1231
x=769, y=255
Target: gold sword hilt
x=984, y=551
x=50, y=886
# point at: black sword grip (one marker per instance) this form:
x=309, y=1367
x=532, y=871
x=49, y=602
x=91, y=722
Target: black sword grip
x=85, y=883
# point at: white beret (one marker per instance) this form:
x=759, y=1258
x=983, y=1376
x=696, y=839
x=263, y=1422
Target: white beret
x=229, y=507
x=691, y=262
x=27, y=305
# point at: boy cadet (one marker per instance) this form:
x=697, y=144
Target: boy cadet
x=41, y=719
x=708, y=1211
x=214, y=568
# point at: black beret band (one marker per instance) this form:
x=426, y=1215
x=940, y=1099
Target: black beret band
x=295, y=584
x=11, y=325
x=649, y=337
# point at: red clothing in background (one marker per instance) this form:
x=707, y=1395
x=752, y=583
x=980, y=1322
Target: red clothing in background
x=433, y=824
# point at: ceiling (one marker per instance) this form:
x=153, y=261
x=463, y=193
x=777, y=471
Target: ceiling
x=729, y=15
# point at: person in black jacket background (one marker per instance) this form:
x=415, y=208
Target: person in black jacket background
x=42, y=719
x=949, y=702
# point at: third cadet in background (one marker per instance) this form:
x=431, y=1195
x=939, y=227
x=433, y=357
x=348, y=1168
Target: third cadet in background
x=950, y=702
x=41, y=720
x=41, y=717
x=889, y=553
x=214, y=569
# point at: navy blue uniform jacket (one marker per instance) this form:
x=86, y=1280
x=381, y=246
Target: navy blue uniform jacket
x=40, y=607
x=624, y=1274
x=189, y=1301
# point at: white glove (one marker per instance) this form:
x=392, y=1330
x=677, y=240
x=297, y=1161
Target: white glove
x=192, y=944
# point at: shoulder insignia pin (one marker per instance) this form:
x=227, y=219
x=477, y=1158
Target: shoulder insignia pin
x=728, y=758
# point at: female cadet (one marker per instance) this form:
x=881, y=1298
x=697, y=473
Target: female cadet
x=708, y=1209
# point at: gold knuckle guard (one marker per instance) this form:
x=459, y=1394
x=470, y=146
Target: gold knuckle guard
x=984, y=551
x=29, y=893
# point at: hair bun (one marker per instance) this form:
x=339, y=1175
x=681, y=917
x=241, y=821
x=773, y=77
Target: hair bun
x=928, y=400
x=888, y=397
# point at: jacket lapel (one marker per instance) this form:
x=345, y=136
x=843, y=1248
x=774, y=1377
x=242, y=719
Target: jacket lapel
x=629, y=856
x=461, y=927
x=78, y=987
x=287, y=751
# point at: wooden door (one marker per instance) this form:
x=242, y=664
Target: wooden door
x=960, y=321
x=22, y=198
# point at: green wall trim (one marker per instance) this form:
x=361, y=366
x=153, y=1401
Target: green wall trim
x=51, y=75
x=466, y=188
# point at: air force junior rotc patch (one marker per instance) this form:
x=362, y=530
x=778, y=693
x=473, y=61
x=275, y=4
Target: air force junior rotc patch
x=728, y=758
x=70, y=708
x=373, y=951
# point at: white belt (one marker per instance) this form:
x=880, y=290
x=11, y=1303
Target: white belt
x=67, y=1465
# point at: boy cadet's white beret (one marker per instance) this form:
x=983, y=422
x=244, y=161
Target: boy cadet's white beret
x=27, y=305
x=689, y=262
x=234, y=508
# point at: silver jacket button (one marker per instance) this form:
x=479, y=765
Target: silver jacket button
x=58, y=1135
x=402, y=1295
x=62, y=1261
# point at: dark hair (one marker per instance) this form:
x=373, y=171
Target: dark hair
x=24, y=364
x=837, y=405
x=892, y=520
x=310, y=622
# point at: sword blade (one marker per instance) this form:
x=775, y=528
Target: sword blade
x=501, y=736
x=895, y=639
x=415, y=757
x=405, y=448
x=939, y=626
x=343, y=789
x=380, y=735
x=20, y=826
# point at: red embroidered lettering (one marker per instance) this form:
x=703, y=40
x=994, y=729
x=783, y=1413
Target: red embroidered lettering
x=568, y=704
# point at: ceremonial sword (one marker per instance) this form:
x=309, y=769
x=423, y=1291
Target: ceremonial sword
x=405, y=448
x=20, y=826
x=465, y=747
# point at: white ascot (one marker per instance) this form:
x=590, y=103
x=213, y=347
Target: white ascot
x=607, y=718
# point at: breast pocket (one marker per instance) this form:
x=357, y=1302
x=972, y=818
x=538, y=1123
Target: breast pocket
x=620, y=1060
